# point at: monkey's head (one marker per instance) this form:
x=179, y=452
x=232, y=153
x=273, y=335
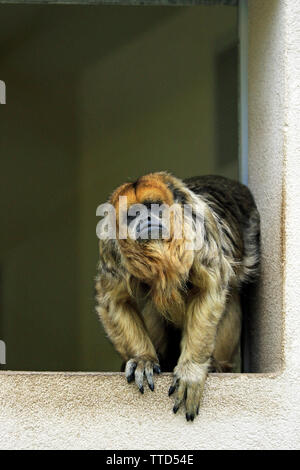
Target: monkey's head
x=150, y=231
x=142, y=209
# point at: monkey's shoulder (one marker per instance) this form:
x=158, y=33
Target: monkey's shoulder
x=109, y=258
x=224, y=195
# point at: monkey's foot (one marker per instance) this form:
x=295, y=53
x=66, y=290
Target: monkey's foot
x=188, y=383
x=139, y=367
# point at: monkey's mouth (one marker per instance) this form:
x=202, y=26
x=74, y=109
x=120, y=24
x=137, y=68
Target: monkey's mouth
x=150, y=231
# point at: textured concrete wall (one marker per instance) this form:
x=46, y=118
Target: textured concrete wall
x=239, y=411
x=267, y=134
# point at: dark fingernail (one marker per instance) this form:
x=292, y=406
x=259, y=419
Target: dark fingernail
x=171, y=390
x=192, y=417
x=130, y=378
x=197, y=410
x=188, y=416
x=151, y=386
x=141, y=389
x=175, y=409
x=157, y=369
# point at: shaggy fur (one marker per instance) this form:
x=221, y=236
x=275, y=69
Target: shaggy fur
x=163, y=305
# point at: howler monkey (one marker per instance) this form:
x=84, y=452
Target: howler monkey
x=174, y=301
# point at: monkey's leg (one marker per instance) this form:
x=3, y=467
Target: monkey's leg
x=127, y=331
x=156, y=328
x=226, y=351
x=197, y=346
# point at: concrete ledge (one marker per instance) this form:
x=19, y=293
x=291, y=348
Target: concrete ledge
x=101, y=411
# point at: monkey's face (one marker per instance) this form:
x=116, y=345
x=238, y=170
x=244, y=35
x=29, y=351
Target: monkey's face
x=143, y=210
x=147, y=219
x=150, y=232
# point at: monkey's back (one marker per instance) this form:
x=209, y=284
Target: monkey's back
x=227, y=195
x=233, y=202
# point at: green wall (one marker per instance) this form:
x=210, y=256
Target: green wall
x=95, y=96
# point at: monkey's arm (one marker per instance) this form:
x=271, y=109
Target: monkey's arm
x=127, y=331
x=203, y=315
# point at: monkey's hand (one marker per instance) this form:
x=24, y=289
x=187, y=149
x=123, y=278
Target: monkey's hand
x=137, y=367
x=188, y=383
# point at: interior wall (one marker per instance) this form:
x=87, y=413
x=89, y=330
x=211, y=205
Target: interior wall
x=148, y=106
x=95, y=96
x=39, y=212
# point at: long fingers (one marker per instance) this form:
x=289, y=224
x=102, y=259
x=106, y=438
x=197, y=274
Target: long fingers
x=174, y=386
x=139, y=376
x=136, y=369
x=180, y=395
x=130, y=369
x=149, y=375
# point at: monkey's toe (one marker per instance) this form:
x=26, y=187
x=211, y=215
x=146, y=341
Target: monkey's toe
x=138, y=368
x=190, y=416
x=130, y=369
